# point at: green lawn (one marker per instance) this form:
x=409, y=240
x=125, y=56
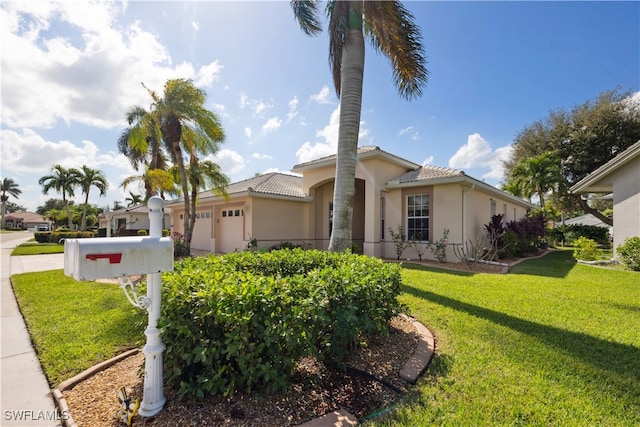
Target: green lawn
x=551, y=343
x=34, y=248
x=75, y=325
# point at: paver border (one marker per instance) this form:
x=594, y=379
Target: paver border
x=410, y=372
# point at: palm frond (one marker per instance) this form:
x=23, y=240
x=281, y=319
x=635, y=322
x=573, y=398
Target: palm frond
x=392, y=31
x=306, y=13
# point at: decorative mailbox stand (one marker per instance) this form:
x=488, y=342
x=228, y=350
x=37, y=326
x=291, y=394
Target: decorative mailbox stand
x=122, y=257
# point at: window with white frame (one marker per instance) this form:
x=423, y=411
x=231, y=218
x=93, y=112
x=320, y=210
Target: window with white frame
x=418, y=217
x=493, y=207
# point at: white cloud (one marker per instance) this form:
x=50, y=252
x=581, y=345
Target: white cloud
x=272, y=124
x=195, y=25
x=405, y=130
x=310, y=151
x=261, y=156
x=477, y=153
x=229, y=161
x=207, y=74
x=247, y=132
x=29, y=152
x=322, y=97
x=428, y=161
x=89, y=75
x=258, y=106
x=293, y=108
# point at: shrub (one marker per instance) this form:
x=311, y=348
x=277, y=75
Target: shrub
x=568, y=233
x=629, y=253
x=142, y=233
x=439, y=248
x=585, y=249
x=241, y=321
x=399, y=241
x=180, y=248
x=56, y=236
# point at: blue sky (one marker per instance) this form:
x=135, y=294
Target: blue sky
x=70, y=70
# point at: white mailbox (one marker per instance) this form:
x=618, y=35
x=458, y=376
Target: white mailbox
x=99, y=258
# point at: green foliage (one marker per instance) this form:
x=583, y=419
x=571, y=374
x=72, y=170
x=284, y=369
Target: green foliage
x=181, y=247
x=55, y=236
x=399, y=240
x=585, y=249
x=566, y=234
x=439, y=248
x=31, y=248
x=242, y=321
x=142, y=233
x=552, y=343
x=629, y=253
x=75, y=325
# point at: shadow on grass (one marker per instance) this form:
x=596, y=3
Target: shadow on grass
x=421, y=267
x=619, y=359
x=554, y=264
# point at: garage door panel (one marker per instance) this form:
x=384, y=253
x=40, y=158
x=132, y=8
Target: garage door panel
x=230, y=227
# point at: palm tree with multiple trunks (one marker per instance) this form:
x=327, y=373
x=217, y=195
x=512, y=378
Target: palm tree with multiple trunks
x=9, y=188
x=88, y=178
x=391, y=30
x=64, y=181
x=186, y=129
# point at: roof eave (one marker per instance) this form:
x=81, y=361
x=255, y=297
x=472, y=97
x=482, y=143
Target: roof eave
x=461, y=179
x=257, y=194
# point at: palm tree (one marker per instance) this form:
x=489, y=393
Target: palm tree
x=536, y=176
x=156, y=181
x=143, y=148
x=180, y=120
x=9, y=188
x=90, y=178
x=391, y=31
x=64, y=181
x=134, y=199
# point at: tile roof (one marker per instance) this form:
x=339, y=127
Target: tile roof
x=274, y=183
x=363, y=152
x=428, y=173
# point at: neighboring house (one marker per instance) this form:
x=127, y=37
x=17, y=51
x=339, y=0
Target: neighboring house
x=390, y=191
x=131, y=218
x=589, y=219
x=620, y=176
x=26, y=221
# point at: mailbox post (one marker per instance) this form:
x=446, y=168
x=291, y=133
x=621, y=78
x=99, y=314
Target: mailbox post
x=121, y=257
x=153, y=396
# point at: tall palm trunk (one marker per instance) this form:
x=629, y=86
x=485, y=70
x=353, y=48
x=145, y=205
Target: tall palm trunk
x=350, y=107
x=173, y=132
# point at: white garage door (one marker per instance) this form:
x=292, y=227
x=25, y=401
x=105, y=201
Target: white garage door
x=230, y=223
x=202, y=236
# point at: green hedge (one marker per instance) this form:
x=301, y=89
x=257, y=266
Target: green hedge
x=566, y=234
x=55, y=236
x=242, y=321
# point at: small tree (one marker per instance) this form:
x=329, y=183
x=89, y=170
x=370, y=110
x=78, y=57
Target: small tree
x=418, y=245
x=399, y=241
x=439, y=248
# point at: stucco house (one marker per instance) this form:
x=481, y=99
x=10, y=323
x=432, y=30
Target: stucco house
x=27, y=221
x=130, y=218
x=390, y=191
x=620, y=176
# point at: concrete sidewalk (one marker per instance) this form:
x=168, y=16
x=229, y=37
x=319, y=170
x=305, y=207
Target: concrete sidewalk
x=25, y=395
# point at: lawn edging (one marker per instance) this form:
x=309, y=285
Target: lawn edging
x=410, y=372
x=59, y=398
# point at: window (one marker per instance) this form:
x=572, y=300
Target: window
x=224, y=214
x=493, y=207
x=418, y=217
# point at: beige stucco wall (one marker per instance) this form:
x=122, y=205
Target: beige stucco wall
x=461, y=208
x=274, y=221
x=626, y=201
